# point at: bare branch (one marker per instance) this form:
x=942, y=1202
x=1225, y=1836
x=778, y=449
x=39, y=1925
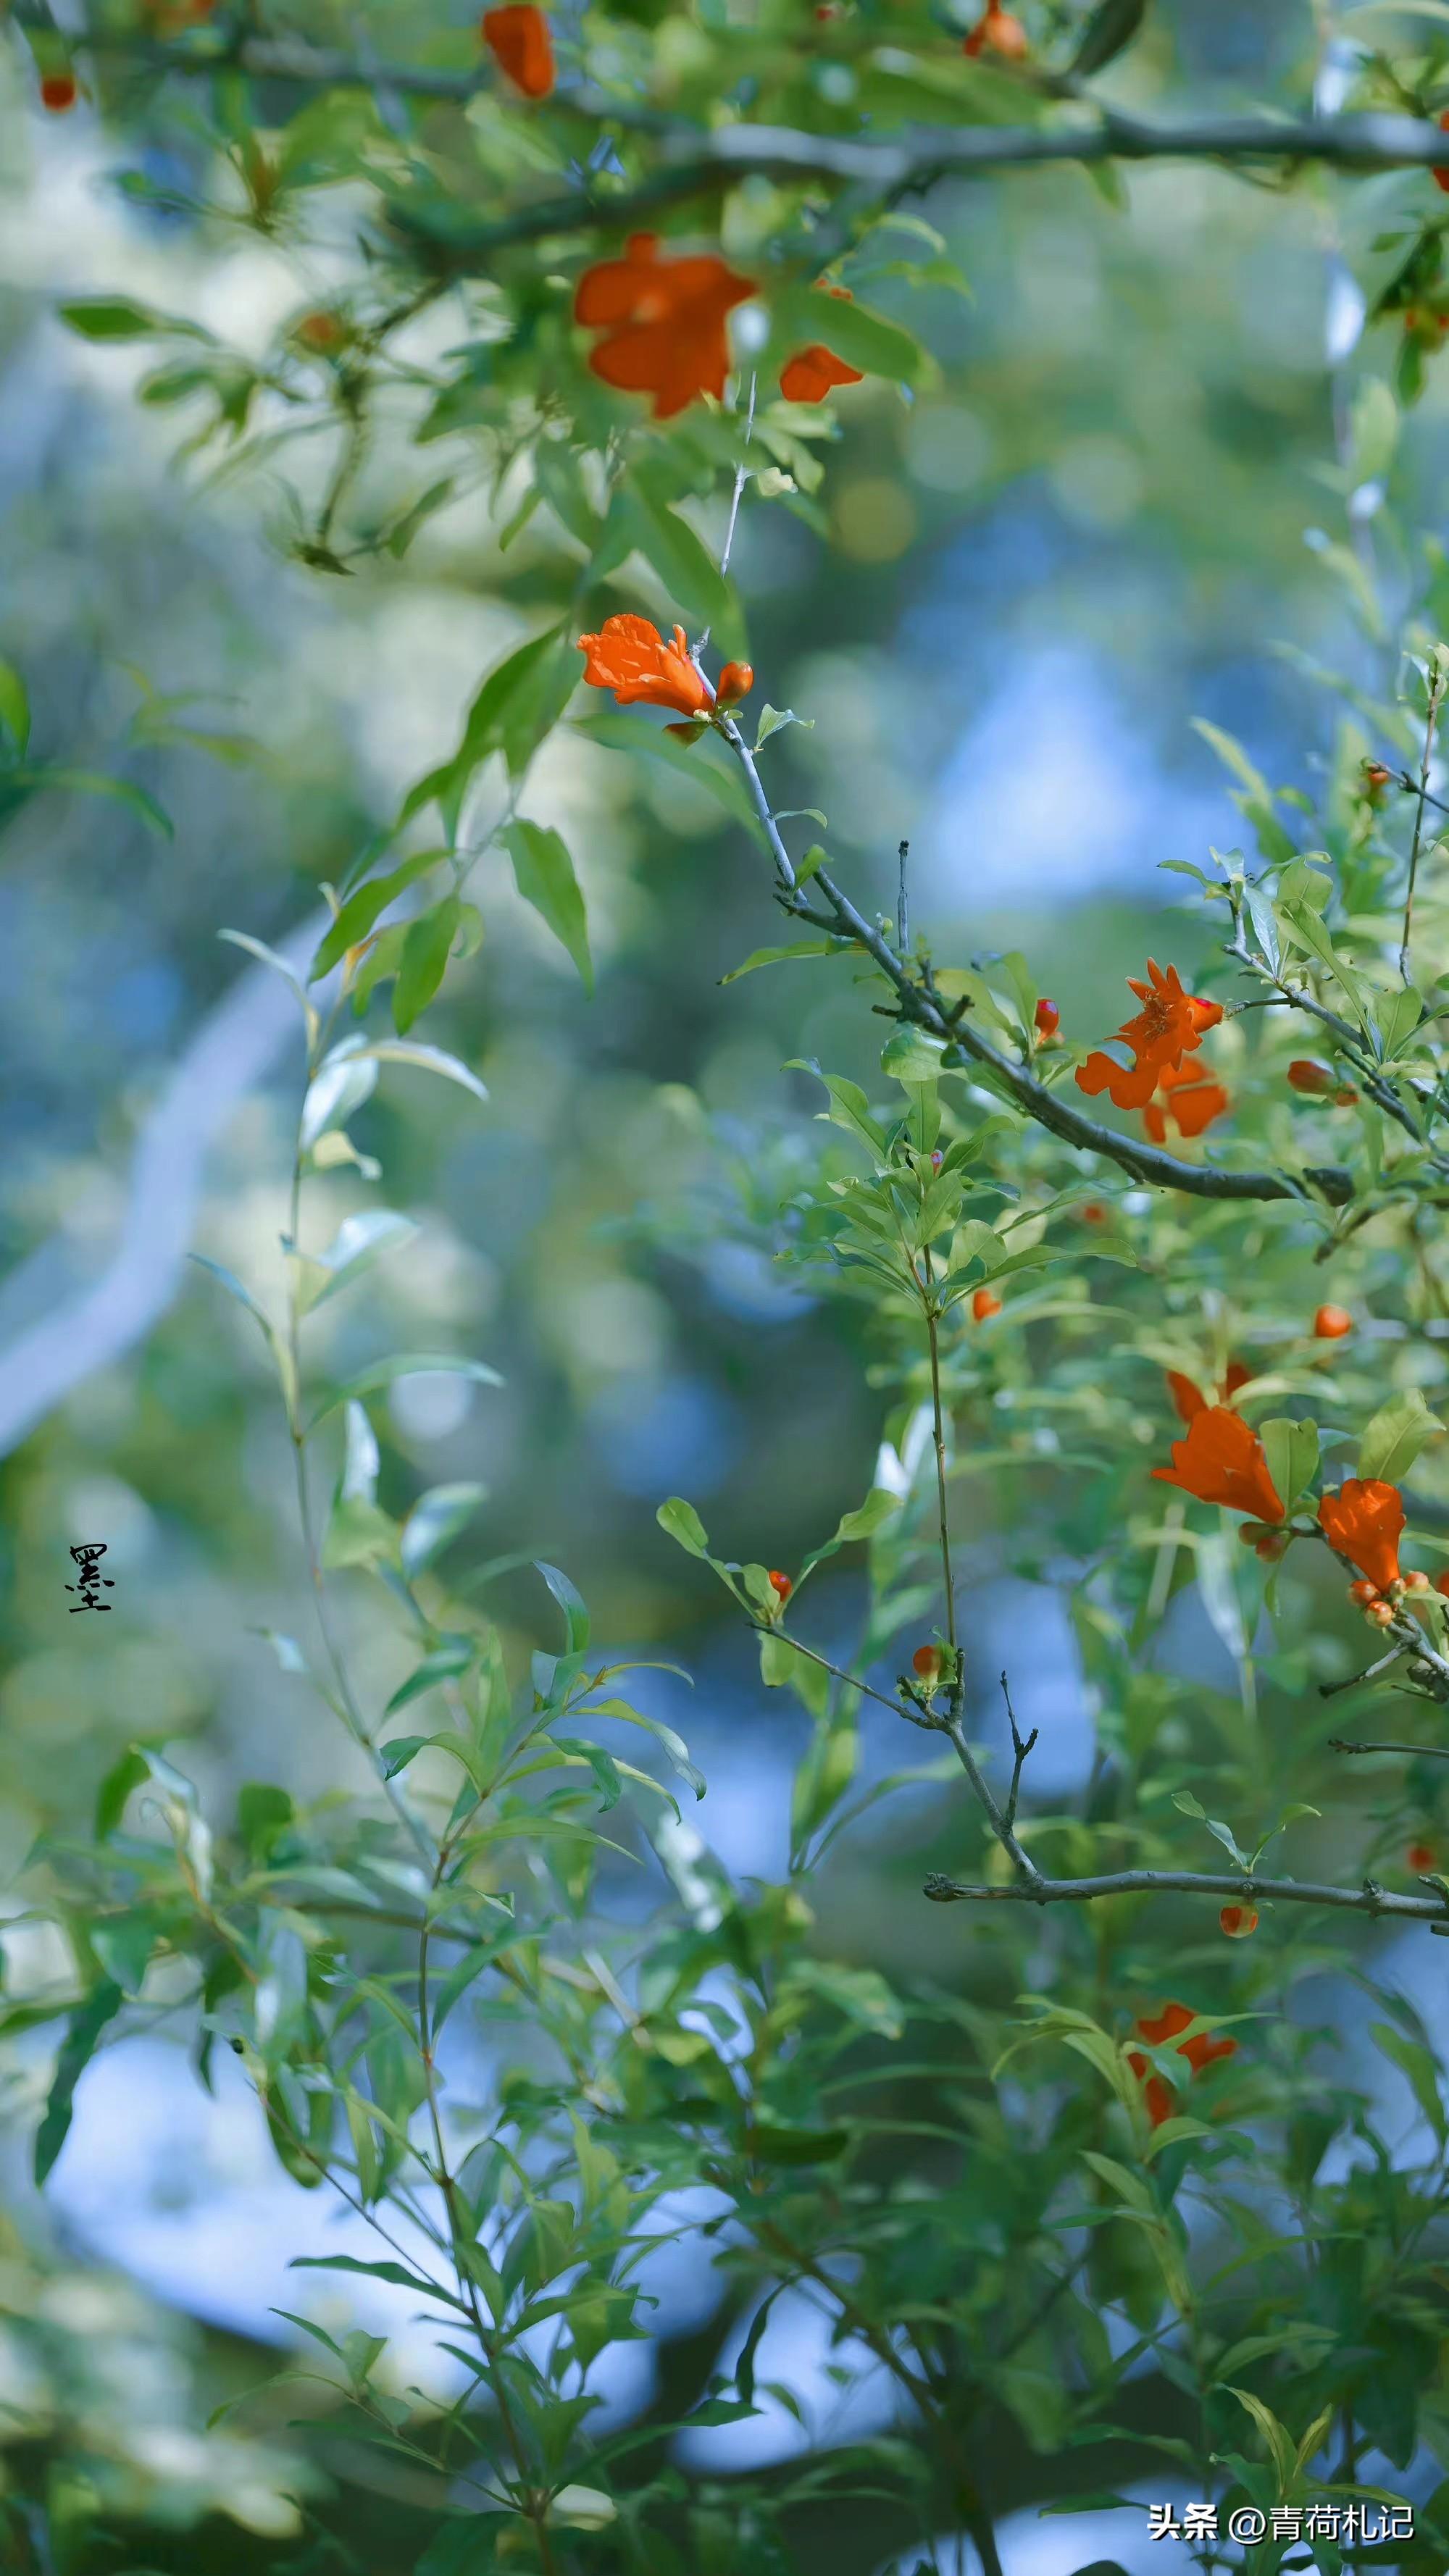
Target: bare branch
x=1233, y=1886
x=706, y=165
x=1417, y=1752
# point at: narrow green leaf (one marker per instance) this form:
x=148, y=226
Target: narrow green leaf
x=385, y=1372
x=426, y=950
x=576, y=1617
x=76, y=2051
x=544, y=874
x=435, y=1520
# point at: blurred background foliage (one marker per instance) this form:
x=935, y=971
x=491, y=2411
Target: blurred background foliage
x=1021, y=588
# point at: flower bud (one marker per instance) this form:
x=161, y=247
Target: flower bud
x=58, y=92
x=1416, y=1582
x=997, y=32
x=781, y=1584
x=937, y=1159
x=735, y=682
x=1307, y=1076
x=1380, y=1612
x=1418, y=1857
x=321, y=332
x=1330, y=1323
x=926, y=1664
x=1375, y=775
x=1093, y=1212
x=1441, y=176
x=1048, y=1018
x=1344, y=1099
x=1362, y=1592
x=984, y=1305
x=1238, y=1921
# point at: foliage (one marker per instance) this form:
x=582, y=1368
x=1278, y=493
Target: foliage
x=1022, y=2199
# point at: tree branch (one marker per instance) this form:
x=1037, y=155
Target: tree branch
x=1234, y=1885
x=1144, y=1163
x=705, y=165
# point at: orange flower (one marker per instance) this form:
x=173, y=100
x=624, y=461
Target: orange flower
x=518, y=39
x=997, y=32
x=630, y=656
x=1170, y=1027
x=1187, y=1095
x=1199, y=2052
x=664, y=322
x=1222, y=1461
x=1188, y=1397
x=984, y=1305
x=1440, y=175
x=813, y=370
x=1330, y=1323
x=1362, y=1521
x=1307, y=1076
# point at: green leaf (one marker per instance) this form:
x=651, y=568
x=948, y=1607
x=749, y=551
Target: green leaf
x=362, y=908
x=115, y=317
x=1109, y=30
x=780, y=2146
x=1395, y=1436
x=426, y=950
x=115, y=1790
x=774, y=720
x=518, y=703
x=359, y=1243
x=442, y=1665
x=861, y=337
x=910, y=1055
x=1374, y=428
x=429, y=1059
x=1396, y=1016
x=785, y=956
x=14, y=705
x=92, y=782
x=1417, y=2063
x=1233, y=757
x=849, y=1107
x=571, y=1603
x=880, y=1505
x=398, y=1364
x=682, y=1523
x=435, y=1520
x=622, y=731
x=1291, y=1449
x=544, y=874
x=680, y=557
x=394, y=2272
x=76, y=2051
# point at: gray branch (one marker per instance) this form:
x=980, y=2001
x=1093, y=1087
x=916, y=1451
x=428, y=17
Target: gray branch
x=698, y=165
x=1234, y=1886
x=92, y=1325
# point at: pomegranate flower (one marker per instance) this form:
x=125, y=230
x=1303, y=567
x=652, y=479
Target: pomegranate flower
x=1170, y=1025
x=663, y=322
x=1199, y=2052
x=1363, y=1522
x=630, y=656
x=1221, y=1461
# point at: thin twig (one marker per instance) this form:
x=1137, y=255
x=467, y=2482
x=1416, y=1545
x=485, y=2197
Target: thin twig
x=1234, y=1885
x=1431, y=719
x=1418, y=1752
